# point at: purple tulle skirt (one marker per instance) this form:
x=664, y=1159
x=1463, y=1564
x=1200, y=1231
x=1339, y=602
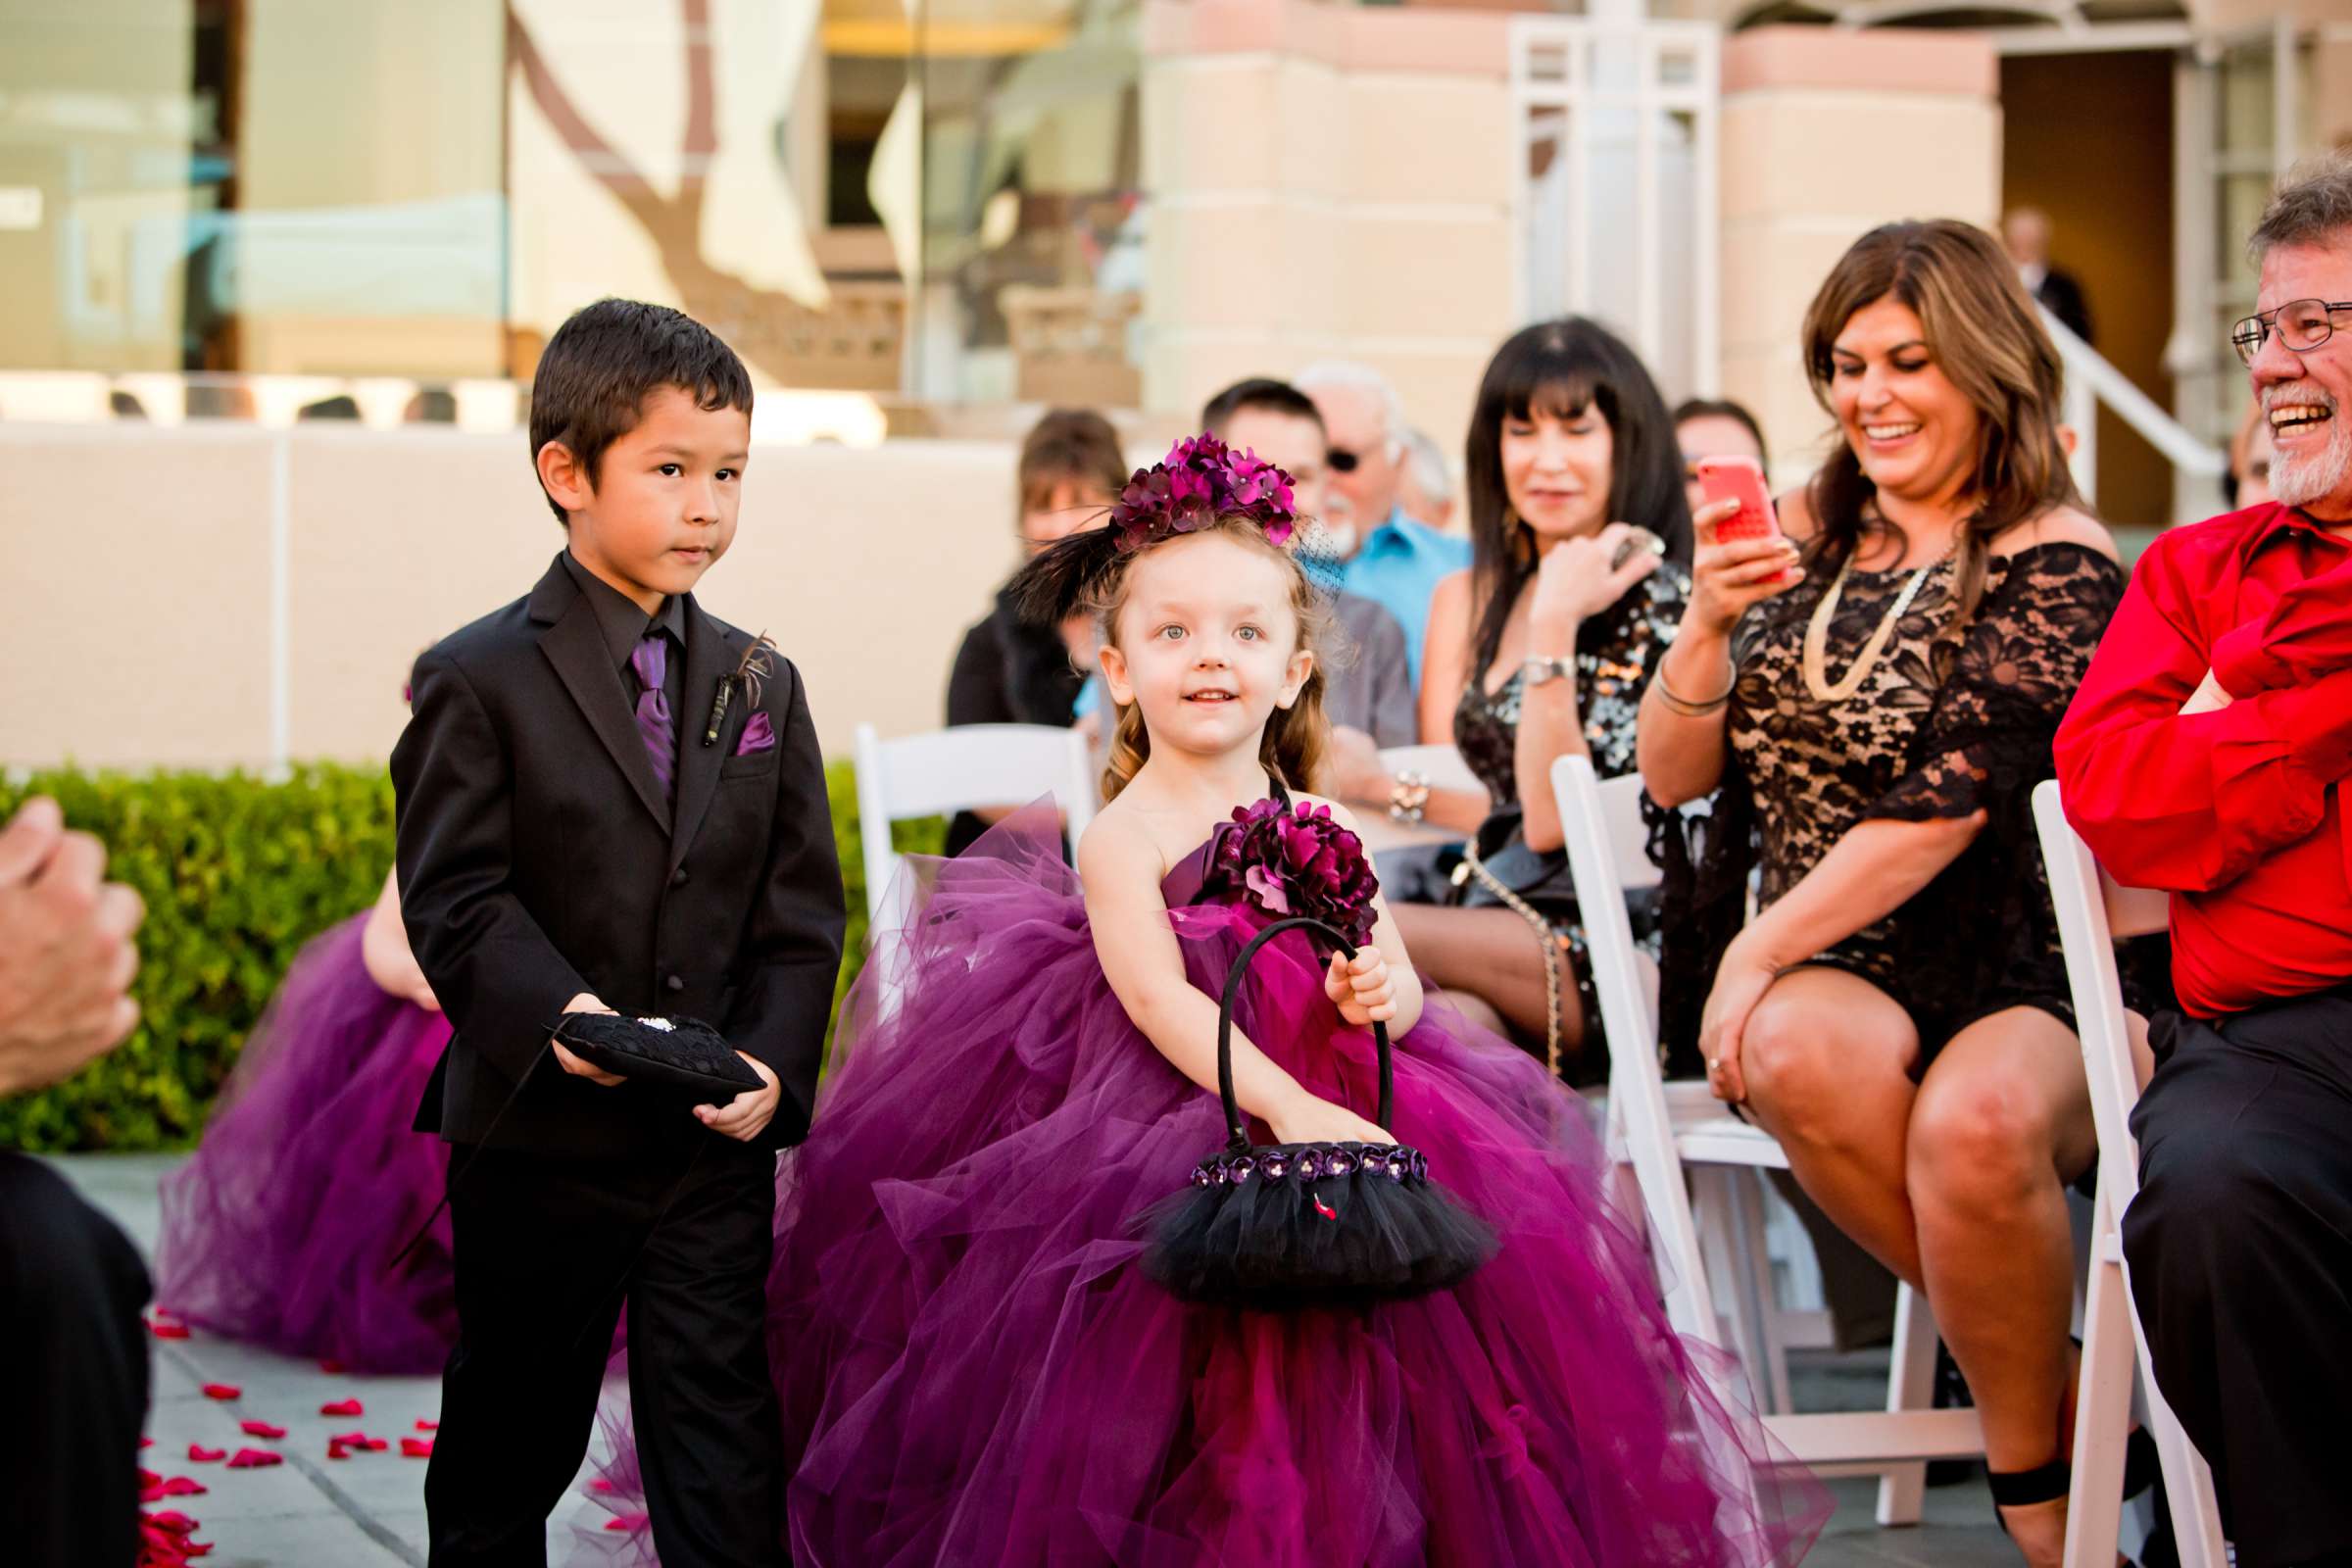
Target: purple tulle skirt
x=281, y=1230
x=974, y=1369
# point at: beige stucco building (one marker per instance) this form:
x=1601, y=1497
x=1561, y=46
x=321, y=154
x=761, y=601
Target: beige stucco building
x=919, y=237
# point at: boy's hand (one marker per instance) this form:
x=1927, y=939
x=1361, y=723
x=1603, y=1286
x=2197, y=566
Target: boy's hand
x=1359, y=987
x=584, y=1002
x=747, y=1115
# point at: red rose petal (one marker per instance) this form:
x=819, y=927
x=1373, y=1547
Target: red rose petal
x=146, y=1443
x=198, y=1453
x=148, y=1477
x=183, y=1486
x=377, y=1445
x=260, y=1429
x=168, y=1331
x=342, y=1407
x=172, y=1522
x=152, y=1493
x=415, y=1448
x=336, y=1451
x=197, y=1548
x=223, y=1390
x=428, y=1426
x=255, y=1459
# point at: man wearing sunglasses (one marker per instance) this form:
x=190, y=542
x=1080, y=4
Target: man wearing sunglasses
x=2205, y=754
x=1393, y=560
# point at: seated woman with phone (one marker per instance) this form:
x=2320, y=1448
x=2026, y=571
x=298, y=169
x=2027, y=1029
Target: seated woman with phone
x=1581, y=538
x=1871, y=697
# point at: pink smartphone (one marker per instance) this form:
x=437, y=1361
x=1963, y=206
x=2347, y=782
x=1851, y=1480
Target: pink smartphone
x=1740, y=479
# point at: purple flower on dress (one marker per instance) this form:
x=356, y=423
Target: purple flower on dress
x=1296, y=860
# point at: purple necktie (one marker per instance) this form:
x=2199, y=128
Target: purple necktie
x=651, y=662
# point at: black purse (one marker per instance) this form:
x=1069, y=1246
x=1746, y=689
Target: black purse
x=684, y=1055
x=1298, y=1225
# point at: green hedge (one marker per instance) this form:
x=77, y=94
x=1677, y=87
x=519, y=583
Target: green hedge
x=238, y=875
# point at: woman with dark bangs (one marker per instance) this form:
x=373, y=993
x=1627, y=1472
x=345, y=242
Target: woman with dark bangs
x=1872, y=700
x=1542, y=649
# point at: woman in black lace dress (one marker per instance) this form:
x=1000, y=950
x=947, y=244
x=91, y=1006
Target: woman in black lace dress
x=1876, y=699
x=1541, y=650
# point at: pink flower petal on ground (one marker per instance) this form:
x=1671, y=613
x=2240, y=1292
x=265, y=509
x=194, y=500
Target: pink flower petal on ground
x=415, y=1448
x=336, y=1451
x=260, y=1429
x=223, y=1390
x=198, y=1453
x=183, y=1486
x=428, y=1426
x=342, y=1407
x=255, y=1459
x=172, y=1522
x=168, y=1331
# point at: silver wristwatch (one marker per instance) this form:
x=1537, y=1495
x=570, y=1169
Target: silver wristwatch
x=1536, y=671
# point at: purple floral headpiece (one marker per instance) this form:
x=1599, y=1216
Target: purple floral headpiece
x=1287, y=860
x=1202, y=480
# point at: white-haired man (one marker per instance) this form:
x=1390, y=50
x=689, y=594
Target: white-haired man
x=2205, y=754
x=1393, y=559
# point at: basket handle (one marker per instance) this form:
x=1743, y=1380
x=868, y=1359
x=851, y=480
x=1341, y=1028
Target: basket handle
x=1233, y=989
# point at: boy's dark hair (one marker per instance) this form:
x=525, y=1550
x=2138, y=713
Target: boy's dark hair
x=1070, y=446
x=606, y=359
x=1723, y=408
x=1259, y=392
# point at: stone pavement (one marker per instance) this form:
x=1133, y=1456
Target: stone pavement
x=367, y=1511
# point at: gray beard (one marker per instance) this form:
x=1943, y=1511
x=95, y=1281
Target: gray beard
x=2300, y=481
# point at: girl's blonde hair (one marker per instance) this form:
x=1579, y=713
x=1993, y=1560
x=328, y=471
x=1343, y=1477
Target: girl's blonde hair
x=1293, y=744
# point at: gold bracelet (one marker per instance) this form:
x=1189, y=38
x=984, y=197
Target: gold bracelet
x=1676, y=704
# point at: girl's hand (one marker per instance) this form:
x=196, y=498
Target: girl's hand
x=1574, y=582
x=1741, y=981
x=1727, y=577
x=1310, y=1120
x=1359, y=987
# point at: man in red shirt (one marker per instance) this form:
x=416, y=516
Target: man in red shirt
x=2204, y=755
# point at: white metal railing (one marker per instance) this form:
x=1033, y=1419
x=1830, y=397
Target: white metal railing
x=2091, y=380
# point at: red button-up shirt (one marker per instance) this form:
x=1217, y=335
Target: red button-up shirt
x=2237, y=812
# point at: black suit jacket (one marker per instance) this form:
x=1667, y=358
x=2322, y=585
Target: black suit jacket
x=538, y=860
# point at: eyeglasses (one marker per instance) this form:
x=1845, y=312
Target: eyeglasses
x=1341, y=459
x=2301, y=325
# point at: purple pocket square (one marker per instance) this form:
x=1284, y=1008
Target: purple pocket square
x=758, y=736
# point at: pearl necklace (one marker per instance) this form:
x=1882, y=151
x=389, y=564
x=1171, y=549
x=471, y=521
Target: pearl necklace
x=1817, y=635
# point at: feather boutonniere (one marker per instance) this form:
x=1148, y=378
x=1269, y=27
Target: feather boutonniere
x=749, y=672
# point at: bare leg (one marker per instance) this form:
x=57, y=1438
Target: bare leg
x=1826, y=1055
x=1491, y=955
x=2002, y=1123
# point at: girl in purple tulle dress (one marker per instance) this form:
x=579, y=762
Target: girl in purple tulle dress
x=978, y=1364
x=282, y=1229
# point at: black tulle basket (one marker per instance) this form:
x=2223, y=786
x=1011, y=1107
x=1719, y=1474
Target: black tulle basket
x=1297, y=1225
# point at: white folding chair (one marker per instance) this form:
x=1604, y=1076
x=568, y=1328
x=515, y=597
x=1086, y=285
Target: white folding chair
x=957, y=770
x=2092, y=913
x=1662, y=1131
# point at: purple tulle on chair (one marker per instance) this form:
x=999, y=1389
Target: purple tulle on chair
x=281, y=1230
x=975, y=1371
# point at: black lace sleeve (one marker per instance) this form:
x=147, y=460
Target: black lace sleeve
x=1987, y=741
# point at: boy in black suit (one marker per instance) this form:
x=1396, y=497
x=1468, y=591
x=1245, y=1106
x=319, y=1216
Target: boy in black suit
x=572, y=837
